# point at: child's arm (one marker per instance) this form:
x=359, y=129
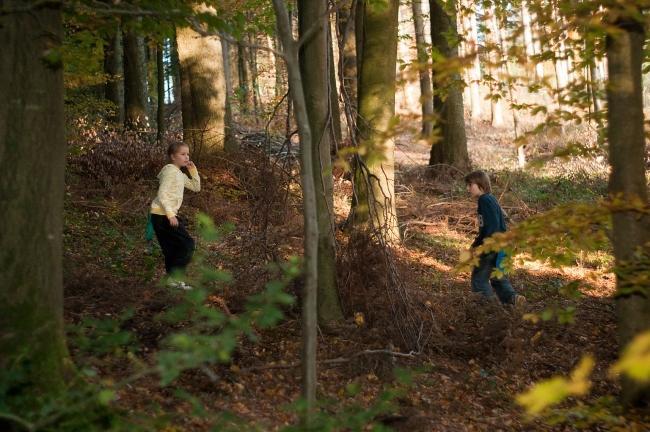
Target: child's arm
x=194, y=183
x=488, y=221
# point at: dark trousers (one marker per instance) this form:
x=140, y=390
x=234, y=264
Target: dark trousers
x=176, y=244
x=484, y=284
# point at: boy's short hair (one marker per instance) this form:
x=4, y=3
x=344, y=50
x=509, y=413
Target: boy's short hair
x=479, y=178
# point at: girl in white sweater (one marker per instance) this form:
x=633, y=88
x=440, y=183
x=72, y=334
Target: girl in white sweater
x=176, y=243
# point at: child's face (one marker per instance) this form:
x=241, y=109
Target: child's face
x=182, y=157
x=474, y=190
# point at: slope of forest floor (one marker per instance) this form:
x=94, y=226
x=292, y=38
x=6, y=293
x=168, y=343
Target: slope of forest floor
x=478, y=359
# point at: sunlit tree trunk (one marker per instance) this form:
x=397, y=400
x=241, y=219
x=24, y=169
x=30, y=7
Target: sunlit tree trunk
x=494, y=68
x=345, y=17
x=452, y=147
x=203, y=91
x=135, y=81
x=32, y=167
x=627, y=149
x=309, y=304
x=114, y=70
x=471, y=47
x=426, y=93
x=374, y=183
x=315, y=72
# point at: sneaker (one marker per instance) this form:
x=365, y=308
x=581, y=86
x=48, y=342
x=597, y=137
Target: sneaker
x=520, y=302
x=178, y=284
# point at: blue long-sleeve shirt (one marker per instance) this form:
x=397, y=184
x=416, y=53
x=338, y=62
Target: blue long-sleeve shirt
x=490, y=218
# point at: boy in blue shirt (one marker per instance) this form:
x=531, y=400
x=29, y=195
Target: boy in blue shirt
x=490, y=220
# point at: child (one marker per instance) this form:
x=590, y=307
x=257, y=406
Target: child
x=490, y=220
x=176, y=243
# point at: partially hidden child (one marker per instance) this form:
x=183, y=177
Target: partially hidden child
x=176, y=243
x=490, y=220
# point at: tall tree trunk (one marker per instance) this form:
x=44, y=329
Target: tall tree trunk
x=494, y=68
x=135, y=82
x=471, y=45
x=426, y=90
x=631, y=230
x=345, y=21
x=314, y=69
x=203, y=91
x=335, y=111
x=114, y=70
x=175, y=68
x=230, y=143
x=254, y=87
x=452, y=147
x=244, y=88
x=309, y=305
x=374, y=183
x=160, y=112
x=529, y=44
x=32, y=166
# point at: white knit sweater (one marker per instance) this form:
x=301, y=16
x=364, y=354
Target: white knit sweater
x=170, y=192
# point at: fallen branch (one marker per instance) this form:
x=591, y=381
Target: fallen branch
x=335, y=361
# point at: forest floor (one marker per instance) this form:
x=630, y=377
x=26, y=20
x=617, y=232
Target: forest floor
x=467, y=376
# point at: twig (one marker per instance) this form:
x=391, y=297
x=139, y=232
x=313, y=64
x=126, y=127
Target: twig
x=337, y=360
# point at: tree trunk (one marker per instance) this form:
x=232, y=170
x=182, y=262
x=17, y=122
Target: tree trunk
x=494, y=68
x=175, y=68
x=309, y=306
x=230, y=143
x=334, y=109
x=135, y=82
x=426, y=93
x=32, y=167
x=254, y=87
x=114, y=70
x=203, y=91
x=631, y=230
x=244, y=89
x=345, y=21
x=160, y=112
x=314, y=69
x=452, y=147
x=471, y=46
x=374, y=183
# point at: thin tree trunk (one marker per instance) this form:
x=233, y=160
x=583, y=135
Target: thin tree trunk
x=309, y=306
x=334, y=109
x=135, y=82
x=315, y=73
x=32, y=167
x=452, y=147
x=375, y=170
x=255, y=90
x=627, y=182
x=175, y=68
x=426, y=93
x=160, y=112
x=242, y=70
x=471, y=45
x=114, y=70
x=345, y=17
x=203, y=91
x=230, y=143
x=494, y=68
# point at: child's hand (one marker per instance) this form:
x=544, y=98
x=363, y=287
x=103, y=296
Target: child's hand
x=173, y=221
x=190, y=165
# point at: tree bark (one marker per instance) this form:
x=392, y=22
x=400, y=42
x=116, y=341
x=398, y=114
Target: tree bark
x=114, y=70
x=230, y=143
x=374, y=183
x=494, y=68
x=135, y=82
x=426, y=89
x=452, y=147
x=309, y=305
x=244, y=88
x=160, y=112
x=346, y=15
x=314, y=70
x=631, y=230
x=32, y=167
x=175, y=68
x=471, y=46
x=337, y=134
x=203, y=91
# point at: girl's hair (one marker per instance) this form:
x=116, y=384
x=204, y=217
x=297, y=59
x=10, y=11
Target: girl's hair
x=174, y=147
x=480, y=179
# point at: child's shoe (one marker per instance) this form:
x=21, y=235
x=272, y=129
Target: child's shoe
x=520, y=302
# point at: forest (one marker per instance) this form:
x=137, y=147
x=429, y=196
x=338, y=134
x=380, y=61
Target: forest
x=324, y=215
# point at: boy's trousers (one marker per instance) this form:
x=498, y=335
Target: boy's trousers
x=481, y=280
x=176, y=244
